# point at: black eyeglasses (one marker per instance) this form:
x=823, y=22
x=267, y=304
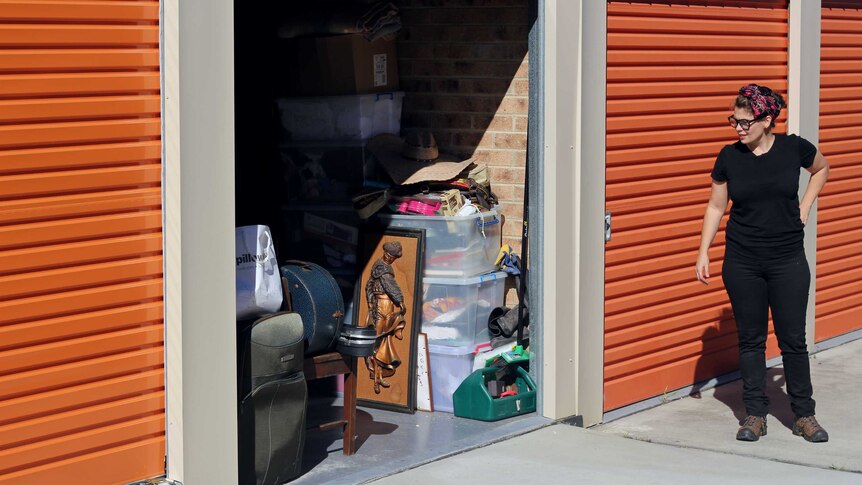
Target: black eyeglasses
x=745, y=124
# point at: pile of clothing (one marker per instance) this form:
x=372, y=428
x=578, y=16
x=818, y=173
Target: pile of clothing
x=427, y=181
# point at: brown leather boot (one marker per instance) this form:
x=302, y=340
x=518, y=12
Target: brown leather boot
x=810, y=429
x=752, y=428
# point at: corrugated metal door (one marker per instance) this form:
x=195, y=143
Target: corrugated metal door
x=81, y=334
x=839, y=214
x=673, y=71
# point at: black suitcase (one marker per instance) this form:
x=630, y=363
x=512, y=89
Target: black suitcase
x=273, y=398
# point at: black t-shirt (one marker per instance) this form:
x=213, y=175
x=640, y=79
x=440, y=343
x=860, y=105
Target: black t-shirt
x=764, y=218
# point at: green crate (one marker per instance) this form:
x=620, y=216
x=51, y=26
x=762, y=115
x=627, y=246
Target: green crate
x=472, y=400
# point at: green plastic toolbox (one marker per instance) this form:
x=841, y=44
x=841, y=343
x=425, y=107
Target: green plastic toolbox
x=472, y=400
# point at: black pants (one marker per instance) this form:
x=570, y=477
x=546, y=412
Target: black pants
x=755, y=285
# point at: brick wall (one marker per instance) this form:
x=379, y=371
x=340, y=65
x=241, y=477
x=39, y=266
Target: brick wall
x=463, y=66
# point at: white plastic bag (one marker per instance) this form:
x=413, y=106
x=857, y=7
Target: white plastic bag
x=258, y=282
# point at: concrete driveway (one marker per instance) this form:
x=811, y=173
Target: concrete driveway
x=710, y=422
x=685, y=441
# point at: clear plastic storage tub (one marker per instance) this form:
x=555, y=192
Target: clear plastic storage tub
x=455, y=310
x=455, y=247
x=449, y=367
x=343, y=118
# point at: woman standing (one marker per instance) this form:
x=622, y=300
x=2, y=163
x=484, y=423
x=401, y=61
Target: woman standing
x=764, y=262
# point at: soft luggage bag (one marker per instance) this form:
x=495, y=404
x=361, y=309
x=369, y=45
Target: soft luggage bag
x=314, y=294
x=273, y=399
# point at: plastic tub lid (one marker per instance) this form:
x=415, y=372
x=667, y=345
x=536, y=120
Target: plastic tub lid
x=465, y=350
x=498, y=275
x=481, y=215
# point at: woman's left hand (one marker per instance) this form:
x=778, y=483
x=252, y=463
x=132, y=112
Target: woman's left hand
x=803, y=216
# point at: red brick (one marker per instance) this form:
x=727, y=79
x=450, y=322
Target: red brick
x=485, y=69
x=452, y=121
x=520, y=87
x=431, y=68
x=510, y=140
x=417, y=102
x=494, y=157
x=414, y=50
x=496, y=51
x=521, y=123
x=472, y=139
x=493, y=123
x=520, y=159
x=512, y=210
x=505, y=193
x=512, y=228
x=523, y=71
x=409, y=4
x=465, y=104
x=513, y=105
x=497, y=87
x=465, y=33
x=415, y=85
x=509, y=175
x=416, y=120
x=461, y=15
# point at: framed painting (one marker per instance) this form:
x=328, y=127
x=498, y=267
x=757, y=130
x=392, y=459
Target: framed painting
x=389, y=298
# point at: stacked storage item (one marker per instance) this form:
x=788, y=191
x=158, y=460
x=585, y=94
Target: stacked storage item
x=459, y=291
x=456, y=246
x=455, y=318
x=341, y=118
x=325, y=164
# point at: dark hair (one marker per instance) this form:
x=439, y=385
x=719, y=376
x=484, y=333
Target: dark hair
x=743, y=102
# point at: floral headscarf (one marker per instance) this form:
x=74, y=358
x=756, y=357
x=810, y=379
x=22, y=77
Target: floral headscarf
x=762, y=100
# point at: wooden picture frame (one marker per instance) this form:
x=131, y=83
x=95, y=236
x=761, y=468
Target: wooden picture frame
x=381, y=382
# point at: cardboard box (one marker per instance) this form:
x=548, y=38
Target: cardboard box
x=340, y=65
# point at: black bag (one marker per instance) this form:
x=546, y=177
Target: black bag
x=273, y=399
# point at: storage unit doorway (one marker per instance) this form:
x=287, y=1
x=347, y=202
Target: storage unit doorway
x=463, y=72
x=670, y=69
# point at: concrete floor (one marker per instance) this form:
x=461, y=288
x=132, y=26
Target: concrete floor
x=710, y=423
x=391, y=442
x=685, y=441
x=565, y=454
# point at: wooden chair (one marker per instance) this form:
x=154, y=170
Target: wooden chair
x=328, y=365
x=333, y=364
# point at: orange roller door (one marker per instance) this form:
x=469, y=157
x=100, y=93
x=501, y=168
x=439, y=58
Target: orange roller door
x=672, y=73
x=82, y=395
x=839, y=210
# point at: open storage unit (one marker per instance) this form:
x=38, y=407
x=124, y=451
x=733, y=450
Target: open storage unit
x=307, y=102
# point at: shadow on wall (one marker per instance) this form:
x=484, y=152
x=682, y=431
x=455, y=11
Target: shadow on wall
x=464, y=72
x=463, y=67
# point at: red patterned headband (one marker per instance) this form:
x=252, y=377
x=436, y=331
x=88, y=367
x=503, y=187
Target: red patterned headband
x=762, y=100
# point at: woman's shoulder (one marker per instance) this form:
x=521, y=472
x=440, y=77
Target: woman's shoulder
x=794, y=141
x=734, y=149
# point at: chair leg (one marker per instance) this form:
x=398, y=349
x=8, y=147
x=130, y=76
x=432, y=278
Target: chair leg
x=350, y=407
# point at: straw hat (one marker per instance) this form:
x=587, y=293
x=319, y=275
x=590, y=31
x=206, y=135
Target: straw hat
x=415, y=159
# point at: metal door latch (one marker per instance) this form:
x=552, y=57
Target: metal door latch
x=607, y=226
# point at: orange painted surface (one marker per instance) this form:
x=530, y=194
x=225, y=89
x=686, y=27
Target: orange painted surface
x=672, y=74
x=839, y=211
x=82, y=373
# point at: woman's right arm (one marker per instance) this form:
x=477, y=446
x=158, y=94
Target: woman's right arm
x=714, y=211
